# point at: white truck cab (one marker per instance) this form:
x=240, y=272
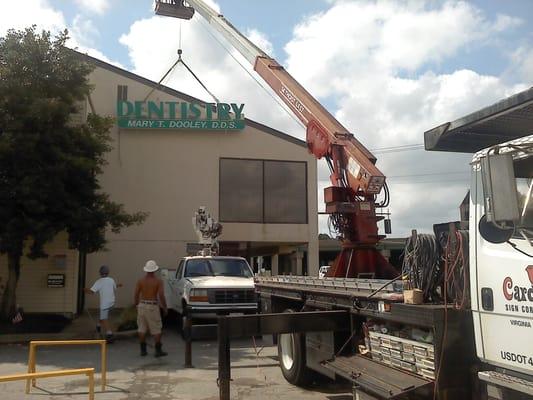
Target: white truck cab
x=501, y=269
x=500, y=225
x=206, y=286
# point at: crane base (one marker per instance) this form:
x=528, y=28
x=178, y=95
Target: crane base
x=362, y=262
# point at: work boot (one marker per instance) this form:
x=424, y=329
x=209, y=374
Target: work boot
x=143, y=349
x=158, y=351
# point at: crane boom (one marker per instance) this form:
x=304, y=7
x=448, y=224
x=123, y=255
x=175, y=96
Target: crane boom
x=324, y=132
x=355, y=178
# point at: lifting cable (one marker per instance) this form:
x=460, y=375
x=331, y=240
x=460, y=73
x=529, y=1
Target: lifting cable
x=180, y=61
x=283, y=106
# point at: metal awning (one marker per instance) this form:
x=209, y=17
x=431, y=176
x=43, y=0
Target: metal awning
x=508, y=119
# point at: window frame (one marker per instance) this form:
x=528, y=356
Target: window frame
x=263, y=160
x=179, y=271
x=262, y=218
x=122, y=92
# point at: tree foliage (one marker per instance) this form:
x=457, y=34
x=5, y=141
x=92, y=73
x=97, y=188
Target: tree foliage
x=49, y=166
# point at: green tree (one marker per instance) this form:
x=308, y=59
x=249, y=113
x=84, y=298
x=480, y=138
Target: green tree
x=49, y=166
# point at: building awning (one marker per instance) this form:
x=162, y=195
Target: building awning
x=508, y=119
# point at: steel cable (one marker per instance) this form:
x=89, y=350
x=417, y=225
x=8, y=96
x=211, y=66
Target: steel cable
x=422, y=266
x=456, y=278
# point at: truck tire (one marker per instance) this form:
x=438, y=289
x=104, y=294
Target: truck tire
x=292, y=358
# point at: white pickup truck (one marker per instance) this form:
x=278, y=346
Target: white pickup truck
x=207, y=286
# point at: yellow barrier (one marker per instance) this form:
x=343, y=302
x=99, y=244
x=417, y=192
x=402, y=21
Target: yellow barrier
x=35, y=343
x=52, y=374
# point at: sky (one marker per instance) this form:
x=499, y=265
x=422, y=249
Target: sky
x=387, y=70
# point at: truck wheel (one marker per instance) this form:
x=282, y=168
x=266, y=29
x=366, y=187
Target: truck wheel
x=291, y=354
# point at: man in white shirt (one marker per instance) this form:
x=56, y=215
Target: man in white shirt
x=105, y=287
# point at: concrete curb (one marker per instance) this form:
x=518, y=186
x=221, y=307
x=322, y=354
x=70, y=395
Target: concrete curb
x=125, y=334
x=23, y=338
x=18, y=338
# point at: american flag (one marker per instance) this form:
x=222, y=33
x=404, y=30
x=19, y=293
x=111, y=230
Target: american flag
x=17, y=318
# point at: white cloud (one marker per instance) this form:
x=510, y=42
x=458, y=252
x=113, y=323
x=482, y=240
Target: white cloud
x=260, y=40
x=41, y=13
x=210, y=60
x=374, y=59
x=84, y=30
x=505, y=22
x=213, y=4
x=94, y=6
x=523, y=63
x=17, y=15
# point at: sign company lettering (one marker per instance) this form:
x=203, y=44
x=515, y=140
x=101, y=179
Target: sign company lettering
x=519, y=294
x=179, y=115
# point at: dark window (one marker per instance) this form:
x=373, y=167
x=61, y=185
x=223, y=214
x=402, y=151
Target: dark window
x=218, y=267
x=285, y=192
x=122, y=93
x=238, y=268
x=241, y=190
x=197, y=268
x=263, y=191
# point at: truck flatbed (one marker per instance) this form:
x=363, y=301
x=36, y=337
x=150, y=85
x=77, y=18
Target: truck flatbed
x=352, y=295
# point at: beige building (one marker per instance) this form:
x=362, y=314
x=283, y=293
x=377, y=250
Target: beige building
x=171, y=154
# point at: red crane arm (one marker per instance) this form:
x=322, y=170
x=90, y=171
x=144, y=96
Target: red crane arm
x=356, y=180
x=352, y=164
x=325, y=135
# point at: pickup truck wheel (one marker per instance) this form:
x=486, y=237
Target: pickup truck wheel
x=292, y=360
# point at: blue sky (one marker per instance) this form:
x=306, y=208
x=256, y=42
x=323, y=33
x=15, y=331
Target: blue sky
x=277, y=18
x=274, y=17
x=387, y=70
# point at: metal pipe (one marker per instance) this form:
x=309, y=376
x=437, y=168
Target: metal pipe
x=241, y=326
x=187, y=327
x=224, y=367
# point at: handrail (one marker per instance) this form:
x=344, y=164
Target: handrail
x=36, y=343
x=52, y=374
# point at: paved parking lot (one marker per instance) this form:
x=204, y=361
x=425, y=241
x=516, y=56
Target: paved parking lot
x=133, y=377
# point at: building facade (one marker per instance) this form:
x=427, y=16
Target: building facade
x=172, y=153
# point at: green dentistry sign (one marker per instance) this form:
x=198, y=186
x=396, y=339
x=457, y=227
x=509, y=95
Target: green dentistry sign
x=180, y=115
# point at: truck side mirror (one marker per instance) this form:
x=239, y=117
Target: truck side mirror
x=499, y=189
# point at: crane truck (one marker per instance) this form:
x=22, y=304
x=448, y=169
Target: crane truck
x=206, y=285
x=456, y=322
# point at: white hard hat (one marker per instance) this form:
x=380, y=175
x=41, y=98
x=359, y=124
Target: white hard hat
x=150, y=266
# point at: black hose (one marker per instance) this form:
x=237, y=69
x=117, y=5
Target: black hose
x=423, y=267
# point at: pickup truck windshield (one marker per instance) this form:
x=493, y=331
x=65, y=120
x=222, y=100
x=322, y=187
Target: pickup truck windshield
x=220, y=267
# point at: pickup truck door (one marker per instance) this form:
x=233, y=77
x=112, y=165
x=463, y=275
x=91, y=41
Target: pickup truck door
x=179, y=286
x=173, y=281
